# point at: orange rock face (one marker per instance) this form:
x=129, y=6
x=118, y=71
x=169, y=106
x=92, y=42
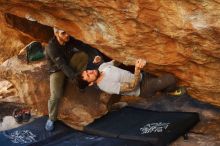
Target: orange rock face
x=10, y=38
x=181, y=37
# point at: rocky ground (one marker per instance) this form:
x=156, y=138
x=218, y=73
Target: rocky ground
x=7, y=90
x=9, y=101
x=7, y=121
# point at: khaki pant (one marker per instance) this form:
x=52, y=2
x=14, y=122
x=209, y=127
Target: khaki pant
x=78, y=62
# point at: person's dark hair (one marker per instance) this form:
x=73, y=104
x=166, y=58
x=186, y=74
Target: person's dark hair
x=82, y=84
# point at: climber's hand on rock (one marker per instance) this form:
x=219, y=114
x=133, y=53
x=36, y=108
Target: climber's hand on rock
x=140, y=63
x=97, y=59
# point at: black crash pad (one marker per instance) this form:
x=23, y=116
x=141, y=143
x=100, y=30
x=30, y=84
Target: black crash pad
x=157, y=128
x=83, y=139
x=34, y=134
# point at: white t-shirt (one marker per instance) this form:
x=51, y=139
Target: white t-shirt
x=113, y=77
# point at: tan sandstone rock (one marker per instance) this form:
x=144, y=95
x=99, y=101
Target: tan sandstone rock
x=77, y=109
x=10, y=38
x=181, y=37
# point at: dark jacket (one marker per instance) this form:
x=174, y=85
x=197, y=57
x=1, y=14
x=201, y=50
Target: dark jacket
x=59, y=55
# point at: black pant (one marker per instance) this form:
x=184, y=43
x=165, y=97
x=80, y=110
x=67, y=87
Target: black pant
x=152, y=84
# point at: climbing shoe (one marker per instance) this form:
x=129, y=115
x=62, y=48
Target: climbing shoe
x=178, y=92
x=49, y=125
